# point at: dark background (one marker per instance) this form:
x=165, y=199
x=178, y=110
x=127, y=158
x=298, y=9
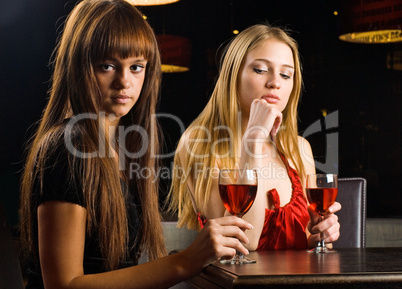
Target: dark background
x=352, y=79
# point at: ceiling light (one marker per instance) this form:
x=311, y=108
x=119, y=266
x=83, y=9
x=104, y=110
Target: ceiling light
x=371, y=21
x=175, y=53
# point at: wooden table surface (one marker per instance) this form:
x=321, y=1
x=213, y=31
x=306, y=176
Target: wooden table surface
x=346, y=268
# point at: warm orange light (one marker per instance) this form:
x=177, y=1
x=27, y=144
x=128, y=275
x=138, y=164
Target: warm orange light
x=394, y=60
x=378, y=36
x=175, y=53
x=371, y=21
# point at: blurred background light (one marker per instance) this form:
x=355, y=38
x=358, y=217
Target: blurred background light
x=371, y=21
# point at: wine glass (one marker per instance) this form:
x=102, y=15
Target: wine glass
x=321, y=192
x=238, y=189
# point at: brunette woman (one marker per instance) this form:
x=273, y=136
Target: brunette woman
x=85, y=219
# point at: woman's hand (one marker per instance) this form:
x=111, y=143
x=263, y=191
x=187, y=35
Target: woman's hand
x=264, y=119
x=328, y=228
x=257, y=151
x=220, y=238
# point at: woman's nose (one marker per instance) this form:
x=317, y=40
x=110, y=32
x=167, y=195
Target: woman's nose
x=122, y=80
x=274, y=81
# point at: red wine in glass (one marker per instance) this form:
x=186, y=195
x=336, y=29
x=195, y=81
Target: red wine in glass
x=321, y=190
x=238, y=189
x=321, y=199
x=238, y=199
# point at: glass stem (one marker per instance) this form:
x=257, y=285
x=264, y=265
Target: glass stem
x=322, y=242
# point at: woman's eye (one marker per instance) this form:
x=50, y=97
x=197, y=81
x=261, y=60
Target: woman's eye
x=260, y=70
x=137, y=68
x=106, y=67
x=285, y=76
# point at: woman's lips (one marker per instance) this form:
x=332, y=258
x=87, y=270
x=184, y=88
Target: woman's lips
x=122, y=99
x=271, y=98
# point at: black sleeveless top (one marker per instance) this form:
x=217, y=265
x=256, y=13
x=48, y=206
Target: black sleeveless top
x=59, y=185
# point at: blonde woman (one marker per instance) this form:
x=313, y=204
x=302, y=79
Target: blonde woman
x=250, y=121
x=84, y=220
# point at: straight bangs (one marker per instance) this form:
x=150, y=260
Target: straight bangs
x=121, y=35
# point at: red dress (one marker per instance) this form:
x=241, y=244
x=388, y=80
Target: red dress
x=284, y=227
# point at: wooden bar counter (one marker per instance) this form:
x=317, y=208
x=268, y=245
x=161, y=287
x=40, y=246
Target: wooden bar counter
x=345, y=268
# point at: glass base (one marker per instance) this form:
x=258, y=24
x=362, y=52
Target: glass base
x=238, y=260
x=321, y=250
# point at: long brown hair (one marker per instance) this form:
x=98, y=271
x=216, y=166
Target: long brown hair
x=222, y=111
x=94, y=30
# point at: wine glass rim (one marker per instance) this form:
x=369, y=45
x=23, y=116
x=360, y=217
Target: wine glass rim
x=322, y=175
x=246, y=175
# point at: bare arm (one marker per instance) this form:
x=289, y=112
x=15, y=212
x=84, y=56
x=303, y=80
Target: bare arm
x=256, y=153
x=330, y=226
x=306, y=154
x=61, y=231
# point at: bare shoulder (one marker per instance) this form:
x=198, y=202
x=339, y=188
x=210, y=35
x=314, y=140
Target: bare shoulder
x=304, y=145
x=306, y=154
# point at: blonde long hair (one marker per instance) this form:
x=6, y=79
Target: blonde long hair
x=219, y=122
x=94, y=30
